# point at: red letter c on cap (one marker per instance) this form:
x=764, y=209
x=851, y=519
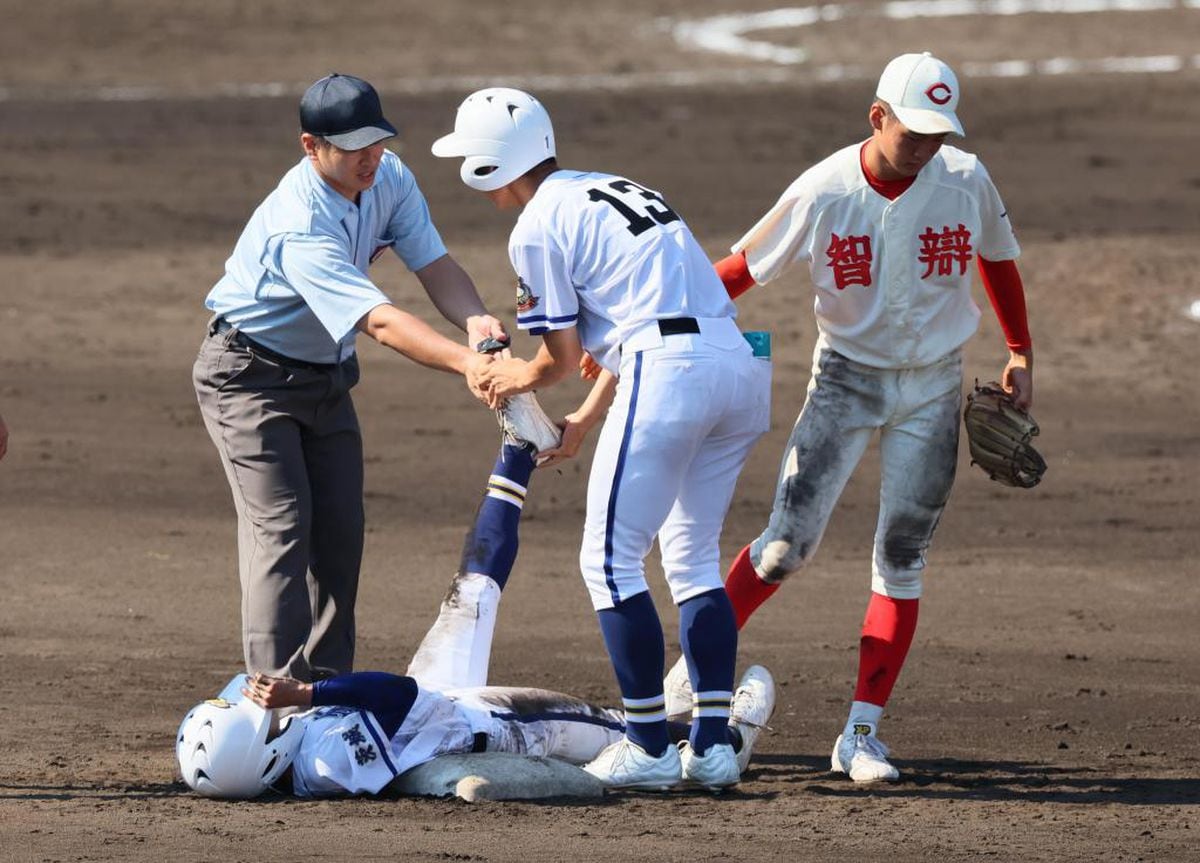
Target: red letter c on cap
x=939, y=93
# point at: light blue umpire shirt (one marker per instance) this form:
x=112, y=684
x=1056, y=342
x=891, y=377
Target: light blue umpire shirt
x=297, y=282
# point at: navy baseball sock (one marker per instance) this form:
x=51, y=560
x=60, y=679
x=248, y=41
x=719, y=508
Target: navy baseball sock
x=708, y=636
x=634, y=638
x=491, y=544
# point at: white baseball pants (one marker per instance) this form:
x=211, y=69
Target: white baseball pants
x=687, y=410
x=527, y=721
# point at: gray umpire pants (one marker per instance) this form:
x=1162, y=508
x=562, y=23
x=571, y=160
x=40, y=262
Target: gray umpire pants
x=290, y=443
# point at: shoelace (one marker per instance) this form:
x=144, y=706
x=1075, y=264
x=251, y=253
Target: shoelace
x=626, y=753
x=623, y=753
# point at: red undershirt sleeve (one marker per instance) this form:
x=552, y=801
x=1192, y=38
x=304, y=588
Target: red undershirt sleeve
x=735, y=274
x=1003, y=285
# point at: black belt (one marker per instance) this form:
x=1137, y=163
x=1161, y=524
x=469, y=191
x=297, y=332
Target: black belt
x=678, y=326
x=221, y=326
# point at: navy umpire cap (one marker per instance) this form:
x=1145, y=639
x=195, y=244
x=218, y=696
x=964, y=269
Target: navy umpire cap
x=345, y=111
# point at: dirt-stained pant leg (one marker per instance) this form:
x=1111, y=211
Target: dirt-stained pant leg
x=456, y=651
x=527, y=721
x=919, y=456
x=845, y=404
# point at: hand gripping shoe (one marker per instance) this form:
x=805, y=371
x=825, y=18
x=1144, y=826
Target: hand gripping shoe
x=751, y=708
x=863, y=757
x=524, y=422
x=521, y=418
x=624, y=764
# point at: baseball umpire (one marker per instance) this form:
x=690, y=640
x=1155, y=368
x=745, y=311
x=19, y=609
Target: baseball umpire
x=274, y=374
x=888, y=228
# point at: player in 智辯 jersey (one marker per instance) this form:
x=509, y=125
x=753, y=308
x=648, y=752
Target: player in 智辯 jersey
x=605, y=265
x=890, y=230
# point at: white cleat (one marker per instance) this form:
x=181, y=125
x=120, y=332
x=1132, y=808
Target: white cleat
x=624, y=764
x=524, y=422
x=864, y=758
x=751, y=708
x=716, y=770
x=677, y=688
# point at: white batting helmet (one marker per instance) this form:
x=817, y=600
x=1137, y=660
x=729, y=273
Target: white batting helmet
x=501, y=133
x=223, y=749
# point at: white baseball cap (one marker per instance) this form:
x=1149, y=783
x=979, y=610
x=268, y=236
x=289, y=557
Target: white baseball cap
x=923, y=93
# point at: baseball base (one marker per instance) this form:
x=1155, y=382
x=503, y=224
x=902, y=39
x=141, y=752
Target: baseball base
x=497, y=776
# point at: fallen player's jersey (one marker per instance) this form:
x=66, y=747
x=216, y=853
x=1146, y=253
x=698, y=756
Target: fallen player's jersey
x=345, y=750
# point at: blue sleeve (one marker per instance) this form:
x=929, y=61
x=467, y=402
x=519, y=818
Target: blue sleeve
x=388, y=696
x=319, y=269
x=417, y=241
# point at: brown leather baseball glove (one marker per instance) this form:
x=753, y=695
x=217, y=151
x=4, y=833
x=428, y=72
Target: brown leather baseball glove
x=999, y=434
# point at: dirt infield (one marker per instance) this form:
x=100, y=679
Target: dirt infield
x=1050, y=709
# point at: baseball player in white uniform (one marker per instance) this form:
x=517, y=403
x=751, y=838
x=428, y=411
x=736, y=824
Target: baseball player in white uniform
x=359, y=731
x=604, y=265
x=888, y=229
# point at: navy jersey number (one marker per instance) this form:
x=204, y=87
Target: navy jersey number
x=635, y=197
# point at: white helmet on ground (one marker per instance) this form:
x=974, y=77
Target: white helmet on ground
x=223, y=749
x=501, y=133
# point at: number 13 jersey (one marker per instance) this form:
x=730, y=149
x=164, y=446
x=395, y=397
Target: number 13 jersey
x=604, y=254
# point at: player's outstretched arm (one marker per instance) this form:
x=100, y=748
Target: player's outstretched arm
x=409, y=335
x=578, y=423
x=455, y=296
x=557, y=357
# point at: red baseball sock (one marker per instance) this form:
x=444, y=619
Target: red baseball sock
x=746, y=590
x=887, y=632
